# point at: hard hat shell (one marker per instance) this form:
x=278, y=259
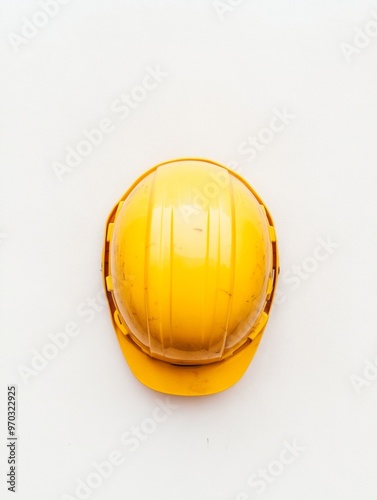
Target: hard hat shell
x=190, y=265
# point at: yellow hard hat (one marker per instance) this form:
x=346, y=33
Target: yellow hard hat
x=190, y=265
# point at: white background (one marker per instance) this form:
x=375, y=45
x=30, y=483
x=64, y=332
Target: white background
x=226, y=74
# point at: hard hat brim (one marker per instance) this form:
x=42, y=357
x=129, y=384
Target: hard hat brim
x=180, y=380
